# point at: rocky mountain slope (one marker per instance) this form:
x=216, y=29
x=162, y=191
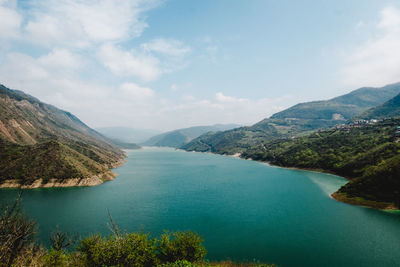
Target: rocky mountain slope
x=42, y=142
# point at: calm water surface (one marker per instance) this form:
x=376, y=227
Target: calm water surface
x=245, y=210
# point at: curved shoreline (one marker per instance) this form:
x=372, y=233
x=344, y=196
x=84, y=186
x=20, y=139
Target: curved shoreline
x=340, y=197
x=94, y=180
x=69, y=182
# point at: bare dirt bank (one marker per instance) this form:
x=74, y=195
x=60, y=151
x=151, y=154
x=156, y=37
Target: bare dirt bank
x=69, y=182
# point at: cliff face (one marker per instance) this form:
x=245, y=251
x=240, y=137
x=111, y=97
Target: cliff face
x=40, y=141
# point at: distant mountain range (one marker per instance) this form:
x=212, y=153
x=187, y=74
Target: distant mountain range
x=127, y=134
x=295, y=121
x=42, y=145
x=178, y=138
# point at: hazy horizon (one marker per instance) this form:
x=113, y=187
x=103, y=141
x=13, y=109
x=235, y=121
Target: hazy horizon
x=169, y=64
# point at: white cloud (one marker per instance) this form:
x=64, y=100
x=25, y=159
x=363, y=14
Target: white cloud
x=377, y=61
x=60, y=58
x=221, y=109
x=129, y=63
x=220, y=97
x=169, y=47
x=390, y=19
x=135, y=91
x=80, y=23
x=78, y=38
x=55, y=72
x=21, y=67
x=127, y=104
x=10, y=23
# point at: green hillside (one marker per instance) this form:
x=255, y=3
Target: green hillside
x=178, y=138
x=232, y=141
x=368, y=155
x=40, y=141
x=298, y=120
x=388, y=109
x=49, y=160
x=346, y=106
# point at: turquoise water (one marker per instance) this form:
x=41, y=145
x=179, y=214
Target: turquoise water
x=245, y=210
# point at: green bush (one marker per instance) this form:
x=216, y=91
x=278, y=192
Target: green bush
x=126, y=250
x=183, y=246
x=56, y=258
x=180, y=263
x=17, y=233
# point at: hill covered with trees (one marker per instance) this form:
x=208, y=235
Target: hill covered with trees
x=298, y=120
x=367, y=154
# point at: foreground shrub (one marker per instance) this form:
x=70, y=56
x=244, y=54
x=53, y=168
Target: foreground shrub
x=214, y=264
x=30, y=256
x=56, y=258
x=18, y=247
x=181, y=246
x=16, y=233
x=180, y=263
x=126, y=250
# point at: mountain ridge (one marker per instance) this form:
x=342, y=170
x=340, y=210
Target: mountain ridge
x=297, y=120
x=179, y=137
x=31, y=129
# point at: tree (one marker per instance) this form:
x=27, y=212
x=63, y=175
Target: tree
x=17, y=232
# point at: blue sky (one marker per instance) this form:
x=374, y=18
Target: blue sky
x=178, y=63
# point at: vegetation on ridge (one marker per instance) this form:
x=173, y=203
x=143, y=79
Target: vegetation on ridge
x=388, y=109
x=367, y=154
x=301, y=119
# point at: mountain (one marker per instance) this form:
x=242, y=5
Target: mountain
x=295, y=121
x=231, y=141
x=178, y=138
x=369, y=155
x=123, y=145
x=345, y=106
x=127, y=134
x=42, y=142
x=388, y=109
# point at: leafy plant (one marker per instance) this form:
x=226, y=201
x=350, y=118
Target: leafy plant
x=17, y=232
x=181, y=246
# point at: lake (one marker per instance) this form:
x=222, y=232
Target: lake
x=245, y=210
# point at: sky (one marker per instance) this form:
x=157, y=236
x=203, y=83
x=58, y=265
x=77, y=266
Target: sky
x=168, y=64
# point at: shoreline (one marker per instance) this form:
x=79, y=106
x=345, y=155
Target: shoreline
x=94, y=180
x=61, y=183
x=340, y=197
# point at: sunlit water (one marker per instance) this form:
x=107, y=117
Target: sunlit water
x=244, y=210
